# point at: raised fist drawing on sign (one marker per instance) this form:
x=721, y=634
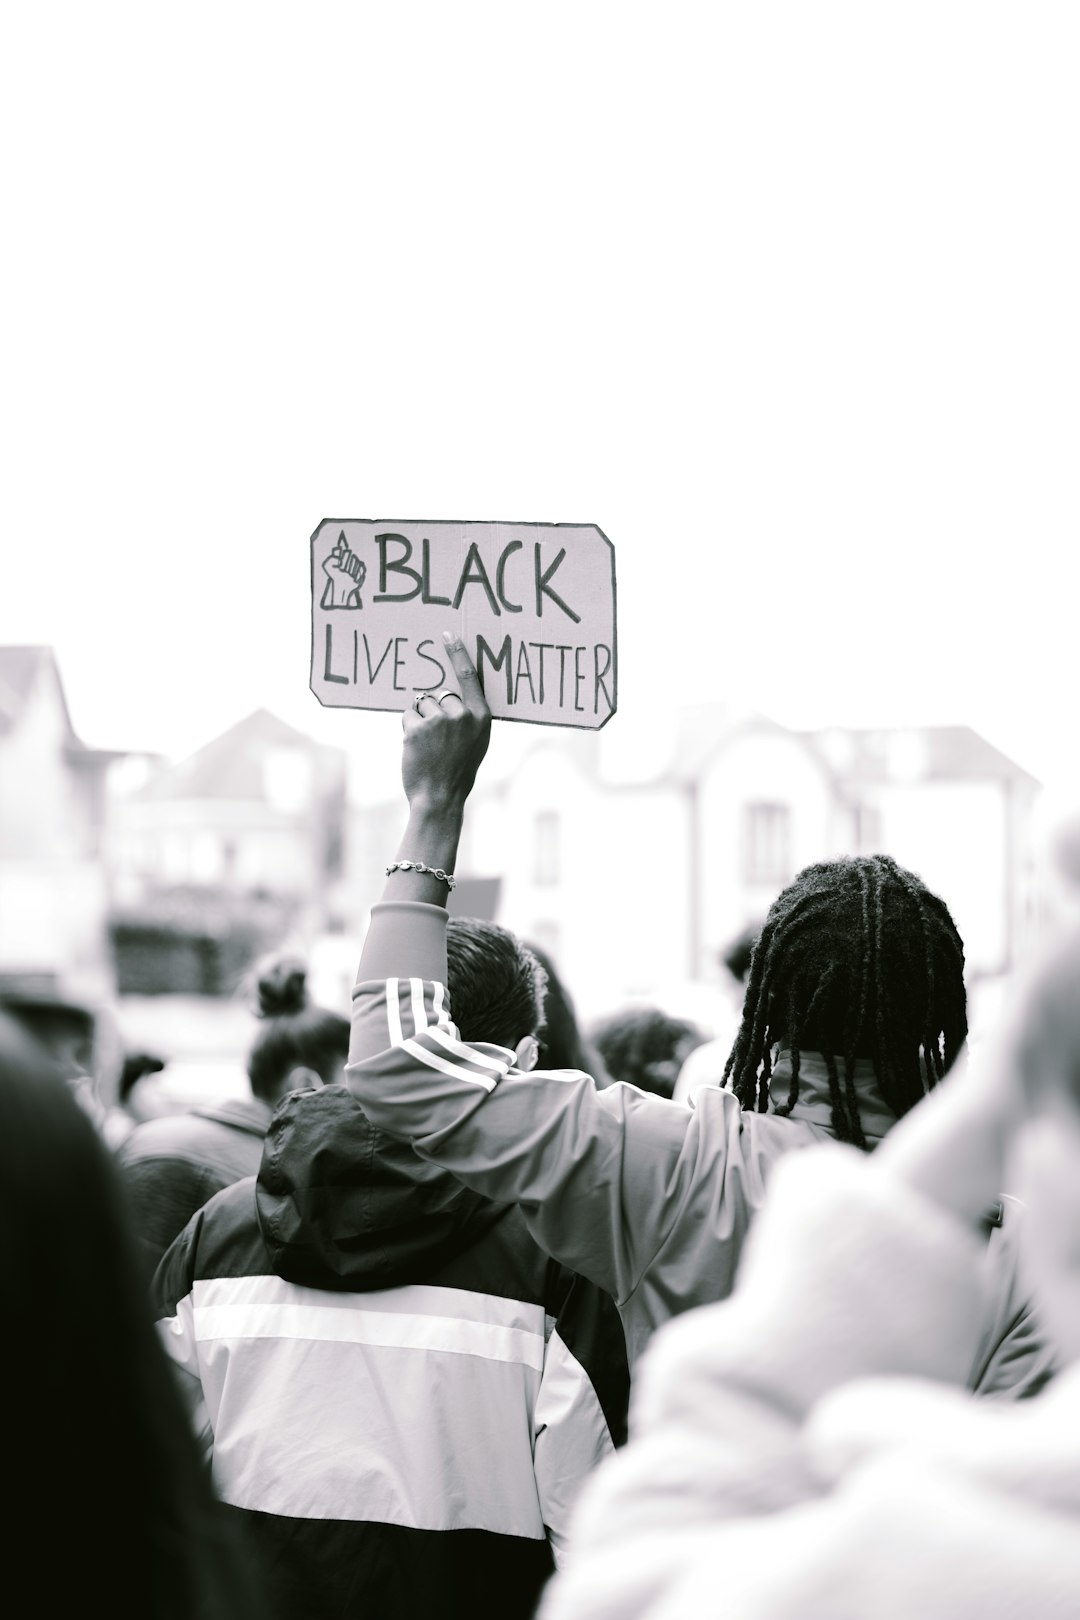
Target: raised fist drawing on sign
x=345, y=575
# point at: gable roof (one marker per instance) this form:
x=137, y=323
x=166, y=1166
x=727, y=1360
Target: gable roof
x=20, y=669
x=231, y=766
x=934, y=754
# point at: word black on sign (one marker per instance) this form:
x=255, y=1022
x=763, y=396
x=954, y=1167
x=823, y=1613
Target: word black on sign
x=533, y=602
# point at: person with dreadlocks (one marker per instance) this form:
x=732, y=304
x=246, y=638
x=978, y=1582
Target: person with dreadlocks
x=854, y=1010
x=804, y=1450
x=856, y=993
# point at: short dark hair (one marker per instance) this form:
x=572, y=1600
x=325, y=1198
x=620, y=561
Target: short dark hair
x=496, y=983
x=294, y=1034
x=856, y=958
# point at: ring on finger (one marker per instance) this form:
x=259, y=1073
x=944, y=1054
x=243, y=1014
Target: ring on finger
x=440, y=697
x=419, y=698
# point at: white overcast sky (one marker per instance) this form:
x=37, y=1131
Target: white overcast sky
x=783, y=297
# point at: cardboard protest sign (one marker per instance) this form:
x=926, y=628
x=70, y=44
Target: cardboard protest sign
x=533, y=602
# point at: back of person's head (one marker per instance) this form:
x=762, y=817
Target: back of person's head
x=645, y=1047
x=857, y=958
x=93, y=1396
x=496, y=983
x=297, y=1044
x=738, y=953
x=135, y=1066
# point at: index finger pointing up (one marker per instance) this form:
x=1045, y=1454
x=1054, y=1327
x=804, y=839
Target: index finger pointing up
x=472, y=693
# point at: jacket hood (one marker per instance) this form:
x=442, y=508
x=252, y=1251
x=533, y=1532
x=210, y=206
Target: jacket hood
x=342, y=1205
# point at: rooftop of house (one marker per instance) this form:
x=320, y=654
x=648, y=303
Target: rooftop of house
x=20, y=669
x=232, y=766
x=918, y=753
x=677, y=750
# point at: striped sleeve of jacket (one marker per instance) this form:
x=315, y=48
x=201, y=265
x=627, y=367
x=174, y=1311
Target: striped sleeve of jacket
x=601, y=1176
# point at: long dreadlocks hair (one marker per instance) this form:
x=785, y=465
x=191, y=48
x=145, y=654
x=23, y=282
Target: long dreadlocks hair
x=856, y=959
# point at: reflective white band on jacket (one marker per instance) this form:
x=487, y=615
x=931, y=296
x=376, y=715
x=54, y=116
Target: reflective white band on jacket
x=407, y=1406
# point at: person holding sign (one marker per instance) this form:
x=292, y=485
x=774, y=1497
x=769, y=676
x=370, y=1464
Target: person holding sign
x=400, y=1392
x=856, y=989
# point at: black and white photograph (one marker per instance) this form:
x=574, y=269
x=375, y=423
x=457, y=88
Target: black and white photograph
x=540, y=810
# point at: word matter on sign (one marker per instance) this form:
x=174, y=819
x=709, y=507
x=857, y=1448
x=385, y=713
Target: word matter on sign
x=533, y=602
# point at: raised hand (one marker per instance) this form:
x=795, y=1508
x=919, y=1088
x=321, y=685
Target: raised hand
x=446, y=737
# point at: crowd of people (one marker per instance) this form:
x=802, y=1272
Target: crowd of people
x=472, y=1310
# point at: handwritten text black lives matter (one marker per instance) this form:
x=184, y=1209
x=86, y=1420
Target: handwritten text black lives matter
x=558, y=666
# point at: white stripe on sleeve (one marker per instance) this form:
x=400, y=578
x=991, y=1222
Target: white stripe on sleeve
x=471, y=1054
x=419, y=1011
x=458, y=1071
x=438, y=998
x=393, y=1012
x=475, y=1065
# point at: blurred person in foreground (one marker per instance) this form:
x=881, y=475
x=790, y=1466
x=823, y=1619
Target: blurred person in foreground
x=82, y=1039
x=855, y=1008
x=401, y=1392
x=174, y=1163
x=797, y=1452
x=109, y=1509
x=644, y=1047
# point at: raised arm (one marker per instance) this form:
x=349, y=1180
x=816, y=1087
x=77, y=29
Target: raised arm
x=600, y=1176
x=446, y=736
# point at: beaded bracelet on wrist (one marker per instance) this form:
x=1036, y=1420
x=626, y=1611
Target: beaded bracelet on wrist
x=419, y=866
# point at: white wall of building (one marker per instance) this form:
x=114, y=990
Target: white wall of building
x=954, y=835
x=599, y=878
x=52, y=886
x=643, y=870
x=42, y=816
x=52, y=920
x=757, y=767
x=213, y=843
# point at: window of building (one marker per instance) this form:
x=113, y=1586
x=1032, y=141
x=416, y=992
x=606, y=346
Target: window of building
x=767, y=843
x=546, y=850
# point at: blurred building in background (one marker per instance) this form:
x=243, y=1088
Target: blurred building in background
x=632, y=856
x=53, y=891
x=636, y=872
x=942, y=800
x=224, y=855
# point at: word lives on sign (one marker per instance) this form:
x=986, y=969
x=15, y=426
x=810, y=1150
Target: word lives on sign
x=533, y=602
